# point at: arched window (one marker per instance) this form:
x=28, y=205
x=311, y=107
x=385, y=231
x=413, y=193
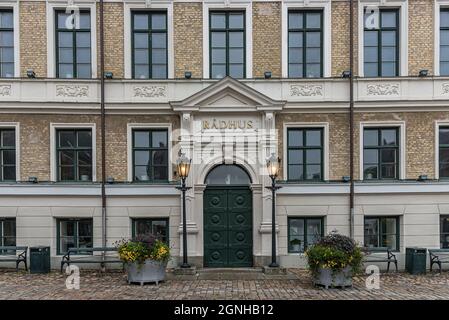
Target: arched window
x=228, y=175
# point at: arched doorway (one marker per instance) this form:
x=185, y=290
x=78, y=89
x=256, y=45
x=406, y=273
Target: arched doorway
x=228, y=234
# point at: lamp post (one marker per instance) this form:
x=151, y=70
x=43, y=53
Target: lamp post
x=273, y=164
x=183, y=164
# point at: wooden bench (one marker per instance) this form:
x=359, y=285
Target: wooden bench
x=86, y=255
x=14, y=254
x=374, y=255
x=438, y=256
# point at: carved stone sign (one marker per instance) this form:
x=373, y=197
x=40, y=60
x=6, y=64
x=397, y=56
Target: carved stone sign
x=150, y=91
x=5, y=90
x=227, y=124
x=383, y=89
x=72, y=91
x=306, y=90
x=445, y=88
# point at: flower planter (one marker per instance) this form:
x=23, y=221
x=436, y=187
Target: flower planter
x=150, y=271
x=328, y=278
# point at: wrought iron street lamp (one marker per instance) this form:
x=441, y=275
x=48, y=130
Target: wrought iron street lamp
x=273, y=165
x=183, y=163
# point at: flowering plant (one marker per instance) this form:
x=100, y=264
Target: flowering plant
x=142, y=248
x=335, y=252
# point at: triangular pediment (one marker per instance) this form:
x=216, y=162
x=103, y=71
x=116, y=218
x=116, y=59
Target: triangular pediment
x=226, y=95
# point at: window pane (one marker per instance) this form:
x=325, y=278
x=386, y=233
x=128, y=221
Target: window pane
x=83, y=39
x=371, y=232
x=295, y=55
x=313, y=55
x=388, y=69
x=67, y=228
x=85, y=139
x=295, y=71
x=65, y=39
x=7, y=38
x=9, y=173
x=236, y=70
x=67, y=173
x=85, y=20
x=67, y=139
x=141, y=158
x=388, y=171
x=371, y=69
x=159, y=139
x=370, y=138
x=444, y=19
x=66, y=55
x=141, y=56
x=160, y=157
x=236, y=21
x=388, y=54
x=388, y=155
x=65, y=70
x=313, y=70
x=7, y=70
x=159, y=40
x=313, y=20
x=83, y=70
x=296, y=235
x=159, y=71
x=66, y=158
x=218, y=39
x=236, y=56
x=160, y=229
x=83, y=55
x=389, y=233
x=218, y=71
x=313, y=231
x=444, y=155
x=370, y=39
x=84, y=158
x=85, y=228
x=313, y=138
x=295, y=156
x=295, y=39
x=313, y=156
x=141, y=173
x=388, y=19
x=9, y=157
x=6, y=19
x=388, y=38
x=85, y=173
x=159, y=56
x=141, y=139
x=158, y=21
x=313, y=39
x=444, y=37
x=295, y=138
x=236, y=39
x=370, y=156
x=160, y=173
x=444, y=232
x=62, y=18
x=295, y=172
x=370, y=172
x=219, y=56
x=388, y=137
x=218, y=20
x=313, y=172
x=444, y=170
x=371, y=54
x=295, y=20
x=9, y=138
x=141, y=40
x=140, y=21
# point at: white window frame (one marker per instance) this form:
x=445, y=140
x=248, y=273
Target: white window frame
x=403, y=31
x=402, y=143
x=53, y=163
x=52, y=6
x=129, y=139
x=327, y=31
x=130, y=5
x=14, y=5
x=439, y=4
x=438, y=124
x=307, y=125
x=245, y=5
x=16, y=127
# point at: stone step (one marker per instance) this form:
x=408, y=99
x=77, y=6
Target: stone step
x=230, y=270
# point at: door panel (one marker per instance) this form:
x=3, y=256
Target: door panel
x=228, y=227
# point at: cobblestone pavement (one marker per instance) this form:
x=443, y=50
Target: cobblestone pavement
x=113, y=285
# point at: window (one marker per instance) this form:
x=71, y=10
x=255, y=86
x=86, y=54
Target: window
x=444, y=152
x=305, y=154
x=8, y=154
x=380, y=153
x=444, y=42
x=305, y=39
x=382, y=232
x=444, y=232
x=150, y=155
x=227, y=44
x=381, y=46
x=157, y=227
x=7, y=232
x=6, y=44
x=74, y=233
x=74, y=154
x=303, y=232
x=149, y=45
x=73, y=46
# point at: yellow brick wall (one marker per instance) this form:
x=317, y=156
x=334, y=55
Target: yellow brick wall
x=188, y=39
x=266, y=38
x=33, y=37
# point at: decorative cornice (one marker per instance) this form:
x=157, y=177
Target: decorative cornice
x=306, y=90
x=383, y=89
x=5, y=90
x=72, y=91
x=150, y=91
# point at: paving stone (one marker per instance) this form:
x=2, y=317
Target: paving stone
x=113, y=285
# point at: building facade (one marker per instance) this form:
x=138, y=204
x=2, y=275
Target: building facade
x=228, y=83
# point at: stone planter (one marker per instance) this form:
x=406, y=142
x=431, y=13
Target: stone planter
x=328, y=278
x=150, y=271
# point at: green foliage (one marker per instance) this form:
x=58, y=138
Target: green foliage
x=335, y=252
x=140, y=249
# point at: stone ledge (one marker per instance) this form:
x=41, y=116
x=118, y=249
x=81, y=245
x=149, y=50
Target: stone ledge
x=185, y=271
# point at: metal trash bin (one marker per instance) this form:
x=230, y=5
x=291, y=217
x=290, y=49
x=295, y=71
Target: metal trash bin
x=415, y=260
x=40, y=259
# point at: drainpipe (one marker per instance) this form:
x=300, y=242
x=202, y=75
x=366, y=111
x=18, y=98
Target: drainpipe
x=351, y=118
x=103, y=131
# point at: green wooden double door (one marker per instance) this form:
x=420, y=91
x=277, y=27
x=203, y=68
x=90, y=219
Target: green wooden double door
x=228, y=230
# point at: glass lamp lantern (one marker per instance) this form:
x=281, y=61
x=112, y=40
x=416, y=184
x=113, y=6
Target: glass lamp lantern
x=183, y=164
x=273, y=165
